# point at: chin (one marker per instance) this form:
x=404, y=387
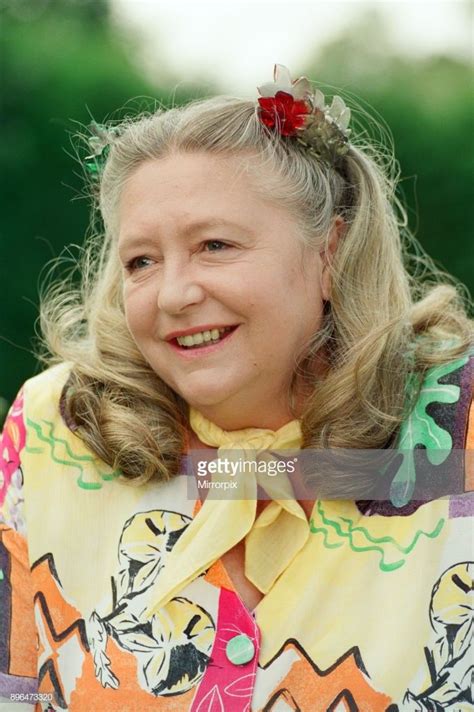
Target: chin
x=205, y=395
x=205, y=399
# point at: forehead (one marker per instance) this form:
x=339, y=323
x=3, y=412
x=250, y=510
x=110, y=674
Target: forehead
x=180, y=189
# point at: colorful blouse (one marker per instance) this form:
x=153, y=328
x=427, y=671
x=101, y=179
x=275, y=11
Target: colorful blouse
x=374, y=613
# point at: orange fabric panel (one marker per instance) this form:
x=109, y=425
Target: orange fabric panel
x=304, y=683
x=64, y=622
x=23, y=647
x=218, y=576
x=129, y=696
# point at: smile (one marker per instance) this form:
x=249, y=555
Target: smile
x=202, y=341
x=203, y=337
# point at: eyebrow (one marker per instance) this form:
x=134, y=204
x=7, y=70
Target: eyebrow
x=190, y=229
x=211, y=222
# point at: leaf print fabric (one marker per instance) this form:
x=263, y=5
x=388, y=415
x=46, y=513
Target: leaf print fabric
x=420, y=429
x=374, y=613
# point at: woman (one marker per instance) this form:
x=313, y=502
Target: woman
x=247, y=301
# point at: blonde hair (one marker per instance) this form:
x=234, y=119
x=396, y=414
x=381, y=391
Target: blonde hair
x=380, y=327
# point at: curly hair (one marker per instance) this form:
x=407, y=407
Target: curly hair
x=385, y=322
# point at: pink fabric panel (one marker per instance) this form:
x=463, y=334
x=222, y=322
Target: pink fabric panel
x=11, y=443
x=227, y=687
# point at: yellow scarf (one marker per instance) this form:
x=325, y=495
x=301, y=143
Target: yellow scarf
x=272, y=540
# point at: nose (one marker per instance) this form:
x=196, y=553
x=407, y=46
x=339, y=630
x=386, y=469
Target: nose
x=179, y=288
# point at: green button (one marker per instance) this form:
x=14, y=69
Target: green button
x=240, y=649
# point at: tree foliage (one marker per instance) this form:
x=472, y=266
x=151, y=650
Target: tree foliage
x=426, y=105
x=63, y=62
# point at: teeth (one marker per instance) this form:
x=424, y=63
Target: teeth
x=202, y=337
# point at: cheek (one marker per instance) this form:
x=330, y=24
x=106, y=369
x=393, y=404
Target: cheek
x=296, y=274
x=138, y=311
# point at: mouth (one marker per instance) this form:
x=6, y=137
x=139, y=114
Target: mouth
x=202, y=340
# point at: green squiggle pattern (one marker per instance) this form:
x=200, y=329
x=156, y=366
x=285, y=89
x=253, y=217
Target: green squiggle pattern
x=378, y=544
x=324, y=532
x=61, y=453
x=420, y=428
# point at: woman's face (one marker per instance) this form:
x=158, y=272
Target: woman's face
x=202, y=251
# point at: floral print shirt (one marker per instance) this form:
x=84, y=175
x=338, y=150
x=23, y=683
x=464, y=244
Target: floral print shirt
x=375, y=613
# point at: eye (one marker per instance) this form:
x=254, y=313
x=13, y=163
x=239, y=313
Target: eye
x=215, y=245
x=138, y=263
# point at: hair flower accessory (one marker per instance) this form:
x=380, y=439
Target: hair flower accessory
x=285, y=104
x=294, y=108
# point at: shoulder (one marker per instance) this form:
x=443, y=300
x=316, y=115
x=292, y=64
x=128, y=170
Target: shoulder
x=37, y=399
x=39, y=396
x=433, y=458
x=42, y=393
x=439, y=418
x=446, y=396
x=438, y=426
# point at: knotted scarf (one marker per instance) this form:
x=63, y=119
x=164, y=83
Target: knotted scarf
x=272, y=539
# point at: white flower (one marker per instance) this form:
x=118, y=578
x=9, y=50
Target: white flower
x=339, y=113
x=299, y=89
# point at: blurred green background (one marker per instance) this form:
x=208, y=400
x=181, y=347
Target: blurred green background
x=64, y=62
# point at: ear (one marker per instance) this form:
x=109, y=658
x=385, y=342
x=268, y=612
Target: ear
x=335, y=234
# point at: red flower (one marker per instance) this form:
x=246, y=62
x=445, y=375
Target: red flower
x=283, y=112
